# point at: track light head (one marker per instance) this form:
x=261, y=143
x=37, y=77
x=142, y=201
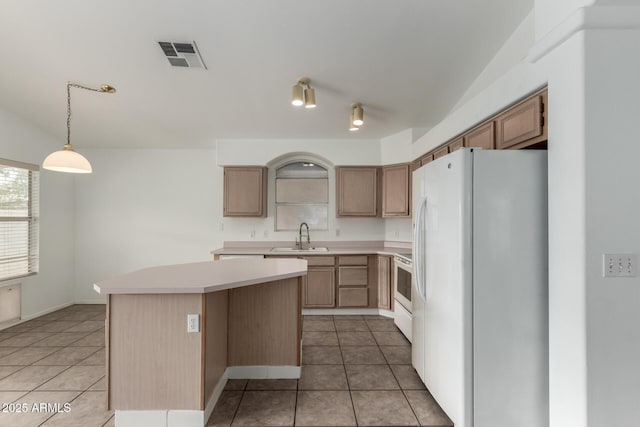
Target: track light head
x=296, y=95
x=309, y=98
x=352, y=127
x=358, y=114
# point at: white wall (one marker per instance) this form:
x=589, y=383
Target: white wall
x=512, y=52
x=551, y=13
x=52, y=287
x=612, y=224
x=141, y=208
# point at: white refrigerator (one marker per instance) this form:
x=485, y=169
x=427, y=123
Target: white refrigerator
x=480, y=310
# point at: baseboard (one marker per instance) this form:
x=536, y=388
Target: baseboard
x=346, y=312
x=33, y=316
x=215, y=395
x=263, y=372
x=91, y=301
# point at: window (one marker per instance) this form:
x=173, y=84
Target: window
x=302, y=195
x=18, y=219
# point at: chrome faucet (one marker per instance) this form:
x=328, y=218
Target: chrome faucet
x=299, y=243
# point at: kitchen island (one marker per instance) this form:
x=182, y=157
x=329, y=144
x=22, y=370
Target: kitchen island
x=244, y=321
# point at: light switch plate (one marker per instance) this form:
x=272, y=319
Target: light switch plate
x=193, y=323
x=620, y=265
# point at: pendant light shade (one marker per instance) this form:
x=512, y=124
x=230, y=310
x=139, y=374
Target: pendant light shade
x=67, y=160
x=358, y=115
x=296, y=95
x=309, y=98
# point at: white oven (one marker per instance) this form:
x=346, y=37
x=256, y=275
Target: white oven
x=403, y=269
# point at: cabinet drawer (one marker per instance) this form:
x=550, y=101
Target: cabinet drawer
x=319, y=260
x=352, y=260
x=352, y=276
x=353, y=297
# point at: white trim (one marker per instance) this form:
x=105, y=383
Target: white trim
x=185, y=418
x=41, y=313
x=217, y=391
x=92, y=301
x=263, y=372
x=586, y=18
x=346, y=312
x=141, y=418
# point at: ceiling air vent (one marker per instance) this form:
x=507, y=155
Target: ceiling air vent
x=182, y=54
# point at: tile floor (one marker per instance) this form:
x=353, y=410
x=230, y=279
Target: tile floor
x=356, y=371
x=51, y=361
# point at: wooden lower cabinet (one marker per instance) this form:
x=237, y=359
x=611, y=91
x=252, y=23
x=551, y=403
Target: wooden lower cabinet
x=319, y=288
x=353, y=297
x=385, y=281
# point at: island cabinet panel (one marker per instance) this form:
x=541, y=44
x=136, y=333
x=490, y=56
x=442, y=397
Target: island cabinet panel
x=245, y=191
x=357, y=191
x=215, y=340
x=149, y=348
x=396, y=190
x=521, y=125
x=265, y=324
x=483, y=137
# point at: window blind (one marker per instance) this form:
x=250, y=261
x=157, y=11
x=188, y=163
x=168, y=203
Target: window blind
x=19, y=210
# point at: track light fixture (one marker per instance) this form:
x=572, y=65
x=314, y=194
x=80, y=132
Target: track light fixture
x=358, y=114
x=303, y=93
x=356, y=118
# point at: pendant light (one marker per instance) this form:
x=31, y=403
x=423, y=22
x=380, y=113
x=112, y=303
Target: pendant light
x=67, y=159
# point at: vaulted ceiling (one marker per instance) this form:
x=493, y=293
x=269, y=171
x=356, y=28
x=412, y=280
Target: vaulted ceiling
x=406, y=61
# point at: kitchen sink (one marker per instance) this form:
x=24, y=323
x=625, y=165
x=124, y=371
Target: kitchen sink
x=317, y=249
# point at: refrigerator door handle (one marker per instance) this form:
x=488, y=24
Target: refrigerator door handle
x=419, y=256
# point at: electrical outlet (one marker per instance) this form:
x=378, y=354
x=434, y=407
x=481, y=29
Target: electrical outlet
x=221, y=227
x=620, y=265
x=266, y=233
x=337, y=232
x=193, y=323
x=253, y=234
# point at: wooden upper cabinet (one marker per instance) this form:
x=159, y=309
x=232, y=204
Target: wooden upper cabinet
x=426, y=159
x=483, y=136
x=456, y=145
x=396, y=190
x=521, y=125
x=245, y=191
x=357, y=191
x=441, y=152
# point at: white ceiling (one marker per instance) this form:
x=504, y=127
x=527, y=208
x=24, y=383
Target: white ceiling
x=407, y=61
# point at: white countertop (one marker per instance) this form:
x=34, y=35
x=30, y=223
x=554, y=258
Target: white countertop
x=202, y=277
x=335, y=248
